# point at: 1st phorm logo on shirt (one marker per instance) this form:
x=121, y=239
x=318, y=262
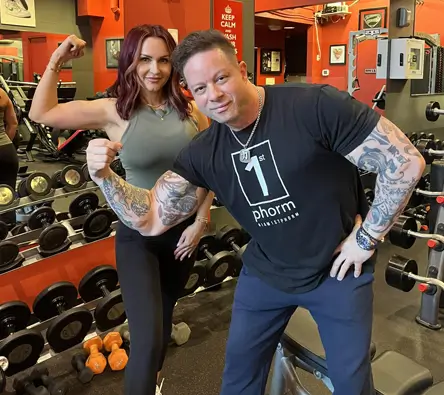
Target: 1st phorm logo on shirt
x=263, y=187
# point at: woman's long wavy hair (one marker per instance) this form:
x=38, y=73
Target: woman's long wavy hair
x=126, y=89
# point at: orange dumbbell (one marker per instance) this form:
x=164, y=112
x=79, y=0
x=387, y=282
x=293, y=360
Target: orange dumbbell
x=96, y=360
x=118, y=358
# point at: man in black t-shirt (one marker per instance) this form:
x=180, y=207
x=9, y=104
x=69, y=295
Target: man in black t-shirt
x=283, y=160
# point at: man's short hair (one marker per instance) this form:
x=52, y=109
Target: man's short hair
x=201, y=41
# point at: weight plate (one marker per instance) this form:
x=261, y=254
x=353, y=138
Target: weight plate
x=97, y=223
x=56, y=181
x=396, y=273
x=85, y=172
x=229, y=234
x=430, y=113
x=40, y=217
x=53, y=237
x=430, y=136
x=22, y=349
x=438, y=144
x=72, y=176
x=69, y=329
x=7, y=195
x=423, y=146
x=82, y=203
x=62, y=293
x=117, y=167
x=38, y=184
x=413, y=137
x=195, y=279
x=110, y=311
x=21, y=189
x=8, y=253
x=100, y=276
x=14, y=316
x=398, y=233
x=3, y=230
x=219, y=266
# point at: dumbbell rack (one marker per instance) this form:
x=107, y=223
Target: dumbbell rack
x=59, y=193
x=428, y=315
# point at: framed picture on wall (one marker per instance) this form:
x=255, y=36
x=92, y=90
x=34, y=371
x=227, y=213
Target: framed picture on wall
x=17, y=12
x=338, y=54
x=68, y=64
x=112, y=47
x=372, y=18
x=271, y=61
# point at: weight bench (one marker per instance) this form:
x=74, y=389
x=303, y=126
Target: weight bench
x=301, y=347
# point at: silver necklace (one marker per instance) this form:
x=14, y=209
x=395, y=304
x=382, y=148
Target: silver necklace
x=244, y=154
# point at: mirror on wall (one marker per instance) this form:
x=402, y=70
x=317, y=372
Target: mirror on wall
x=25, y=55
x=432, y=82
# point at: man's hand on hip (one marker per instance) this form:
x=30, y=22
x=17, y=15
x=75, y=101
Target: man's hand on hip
x=350, y=254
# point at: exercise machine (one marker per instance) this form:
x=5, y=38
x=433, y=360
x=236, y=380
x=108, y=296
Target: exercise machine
x=301, y=347
x=354, y=39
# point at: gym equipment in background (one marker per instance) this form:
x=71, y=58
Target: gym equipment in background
x=101, y=282
x=70, y=324
x=403, y=234
x=15, y=338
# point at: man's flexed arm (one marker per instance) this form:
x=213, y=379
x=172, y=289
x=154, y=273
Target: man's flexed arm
x=150, y=212
x=388, y=152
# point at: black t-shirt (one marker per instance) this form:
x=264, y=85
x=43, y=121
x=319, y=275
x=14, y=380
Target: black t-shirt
x=298, y=196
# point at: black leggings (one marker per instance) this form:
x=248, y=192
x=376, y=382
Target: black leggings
x=151, y=280
x=9, y=165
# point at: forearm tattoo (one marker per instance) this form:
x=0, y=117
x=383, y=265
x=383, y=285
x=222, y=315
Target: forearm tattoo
x=177, y=198
x=388, y=152
x=131, y=204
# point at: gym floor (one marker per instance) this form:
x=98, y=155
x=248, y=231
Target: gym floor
x=196, y=367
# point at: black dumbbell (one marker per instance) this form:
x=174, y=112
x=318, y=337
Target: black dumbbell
x=101, y=282
x=430, y=136
x=36, y=185
x=422, y=136
x=15, y=338
x=220, y=264
x=7, y=196
x=97, y=224
x=413, y=137
x=40, y=377
x=433, y=111
x=232, y=237
x=85, y=172
x=84, y=373
x=54, y=237
x=72, y=178
x=10, y=256
x=196, y=278
x=23, y=385
x=71, y=324
x=424, y=146
x=438, y=144
x=397, y=270
x=399, y=233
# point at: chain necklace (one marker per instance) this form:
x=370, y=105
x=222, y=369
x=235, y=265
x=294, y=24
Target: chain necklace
x=244, y=154
x=159, y=110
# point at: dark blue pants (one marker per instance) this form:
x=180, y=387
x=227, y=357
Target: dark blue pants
x=343, y=311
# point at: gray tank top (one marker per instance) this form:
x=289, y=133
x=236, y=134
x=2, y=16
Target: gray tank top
x=150, y=145
x=4, y=139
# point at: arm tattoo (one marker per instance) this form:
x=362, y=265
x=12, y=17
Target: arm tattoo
x=388, y=152
x=176, y=197
x=130, y=203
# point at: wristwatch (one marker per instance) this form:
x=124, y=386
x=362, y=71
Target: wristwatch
x=366, y=241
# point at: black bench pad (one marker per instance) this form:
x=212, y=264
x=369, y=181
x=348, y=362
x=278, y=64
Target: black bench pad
x=395, y=374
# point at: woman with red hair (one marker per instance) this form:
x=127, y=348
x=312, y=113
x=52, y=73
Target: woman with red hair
x=149, y=114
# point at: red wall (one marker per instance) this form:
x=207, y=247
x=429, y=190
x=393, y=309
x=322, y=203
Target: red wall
x=102, y=28
x=37, y=50
x=265, y=38
x=184, y=15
